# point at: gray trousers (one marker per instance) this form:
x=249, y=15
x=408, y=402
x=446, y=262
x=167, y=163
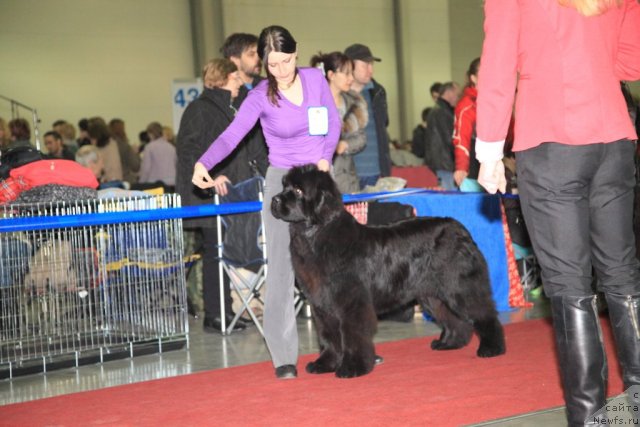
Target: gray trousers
x=280, y=330
x=577, y=203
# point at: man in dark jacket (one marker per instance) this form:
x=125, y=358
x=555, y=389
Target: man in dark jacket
x=204, y=119
x=420, y=134
x=374, y=161
x=56, y=149
x=242, y=50
x=438, y=150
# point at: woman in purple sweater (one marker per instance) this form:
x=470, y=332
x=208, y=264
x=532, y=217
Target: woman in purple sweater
x=301, y=125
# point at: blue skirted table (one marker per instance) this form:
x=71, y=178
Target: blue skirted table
x=480, y=213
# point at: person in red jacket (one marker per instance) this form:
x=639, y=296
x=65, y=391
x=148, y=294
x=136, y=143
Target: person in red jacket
x=464, y=129
x=574, y=146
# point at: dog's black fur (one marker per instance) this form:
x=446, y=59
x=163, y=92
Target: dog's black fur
x=349, y=272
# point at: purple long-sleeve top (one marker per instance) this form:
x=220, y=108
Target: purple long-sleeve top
x=285, y=127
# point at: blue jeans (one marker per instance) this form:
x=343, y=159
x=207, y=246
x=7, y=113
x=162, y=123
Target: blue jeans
x=445, y=178
x=368, y=180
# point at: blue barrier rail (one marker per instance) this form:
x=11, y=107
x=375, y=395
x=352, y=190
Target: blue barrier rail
x=63, y=221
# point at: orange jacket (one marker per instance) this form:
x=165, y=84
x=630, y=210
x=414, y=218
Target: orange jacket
x=568, y=70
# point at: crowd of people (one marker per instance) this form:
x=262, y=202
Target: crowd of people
x=445, y=138
x=151, y=162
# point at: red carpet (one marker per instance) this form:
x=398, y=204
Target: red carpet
x=415, y=386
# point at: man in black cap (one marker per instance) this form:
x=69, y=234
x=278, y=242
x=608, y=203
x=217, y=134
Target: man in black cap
x=374, y=161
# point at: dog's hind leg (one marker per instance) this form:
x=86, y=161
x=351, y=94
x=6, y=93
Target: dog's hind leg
x=484, y=317
x=456, y=332
x=491, y=336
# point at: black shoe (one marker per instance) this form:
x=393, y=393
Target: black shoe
x=215, y=324
x=286, y=372
x=378, y=360
x=191, y=308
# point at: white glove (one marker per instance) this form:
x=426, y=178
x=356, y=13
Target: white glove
x=491, y=176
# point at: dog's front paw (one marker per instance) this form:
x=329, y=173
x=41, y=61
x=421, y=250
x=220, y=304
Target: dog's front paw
x=320, y=366
x=354, y=368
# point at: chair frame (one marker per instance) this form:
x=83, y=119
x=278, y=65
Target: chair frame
x=236, y=281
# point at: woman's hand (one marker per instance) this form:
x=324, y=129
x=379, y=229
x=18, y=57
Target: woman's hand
x=323, y=165
x=491, y=176
x=459, y=176
x=201, y=177
x=341, y=147
x=220, y=185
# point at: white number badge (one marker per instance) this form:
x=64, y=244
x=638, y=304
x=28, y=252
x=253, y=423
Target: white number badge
x=318, y=120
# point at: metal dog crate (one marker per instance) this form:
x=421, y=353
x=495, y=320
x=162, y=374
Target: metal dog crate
x=86, y=294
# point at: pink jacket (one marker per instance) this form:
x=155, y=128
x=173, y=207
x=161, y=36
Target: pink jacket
x=568, y=70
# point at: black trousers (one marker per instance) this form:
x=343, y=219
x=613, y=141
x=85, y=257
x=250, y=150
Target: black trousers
x=577, y=203
x=210, y=275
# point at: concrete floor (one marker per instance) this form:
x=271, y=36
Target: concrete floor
x=213, y=351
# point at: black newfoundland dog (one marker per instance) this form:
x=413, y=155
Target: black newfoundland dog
x=349, y=272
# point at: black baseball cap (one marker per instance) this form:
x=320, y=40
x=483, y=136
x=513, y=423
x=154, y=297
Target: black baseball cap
x=361, y=52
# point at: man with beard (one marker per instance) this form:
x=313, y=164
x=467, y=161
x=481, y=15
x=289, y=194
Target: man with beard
x=242, y=50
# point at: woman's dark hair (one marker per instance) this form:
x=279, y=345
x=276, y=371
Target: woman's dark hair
x=20, y=129
x=154, y=130
x=334, y=61
x=274, y=39
x=97, y=129
x=83, y=124
x=474, y=67
x=116, y=127
x=425, y=114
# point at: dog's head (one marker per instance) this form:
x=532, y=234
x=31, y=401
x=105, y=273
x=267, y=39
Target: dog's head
x=308, y=195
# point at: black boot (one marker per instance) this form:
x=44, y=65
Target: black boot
x=624, y=312
x=583, y=362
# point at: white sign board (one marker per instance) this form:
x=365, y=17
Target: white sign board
x=183, y=91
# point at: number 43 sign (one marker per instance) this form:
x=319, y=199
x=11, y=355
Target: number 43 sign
x=183, y=92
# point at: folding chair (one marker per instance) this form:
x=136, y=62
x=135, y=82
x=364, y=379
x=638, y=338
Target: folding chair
x=521, y=243
x=299, y=301
x=242, y=245
x=529, y=266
